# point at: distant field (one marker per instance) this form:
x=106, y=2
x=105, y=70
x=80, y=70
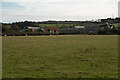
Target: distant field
x=117, y=24
x=75, y=56
x=55, y=25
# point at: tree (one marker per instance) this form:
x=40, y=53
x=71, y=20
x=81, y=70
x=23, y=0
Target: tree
x=5, y=28
x=114, y=30
x=15, y=27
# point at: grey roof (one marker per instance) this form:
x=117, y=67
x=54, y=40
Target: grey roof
x=79, y=26
x=33, y=27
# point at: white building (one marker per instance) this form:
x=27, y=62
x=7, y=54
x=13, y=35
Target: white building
x=119, y=9
x=80, y=27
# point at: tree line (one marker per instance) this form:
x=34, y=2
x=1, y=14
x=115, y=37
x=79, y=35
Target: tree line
x=17, y=26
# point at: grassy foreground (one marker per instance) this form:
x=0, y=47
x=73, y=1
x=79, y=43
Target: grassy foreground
x=75, y=56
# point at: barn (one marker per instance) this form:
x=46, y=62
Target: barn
x=52, y=30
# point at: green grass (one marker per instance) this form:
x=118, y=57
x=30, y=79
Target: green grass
x=55, y=25
x=117, y=24
x=72, y=56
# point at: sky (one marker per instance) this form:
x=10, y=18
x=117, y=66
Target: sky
x=43, y=10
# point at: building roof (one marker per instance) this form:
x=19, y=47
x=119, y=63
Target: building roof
x=45, y=31
x=33, y=27
x=79, y=26
x=52, y=28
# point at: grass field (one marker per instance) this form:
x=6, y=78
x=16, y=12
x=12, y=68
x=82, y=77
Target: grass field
x=72, y=56
x=117, y=24
x=55, y=25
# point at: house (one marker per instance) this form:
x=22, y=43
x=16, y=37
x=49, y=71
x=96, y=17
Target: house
x=44, y=31
x=52, y=30
x=30, y=29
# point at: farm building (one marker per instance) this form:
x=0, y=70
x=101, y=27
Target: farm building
x=52, y=30
x=79, y=30
x=73, y=30
x=79, y=27
x=31, y=29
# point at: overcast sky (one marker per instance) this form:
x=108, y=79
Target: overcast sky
x=40, y=10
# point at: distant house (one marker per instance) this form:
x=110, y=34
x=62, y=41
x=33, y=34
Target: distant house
x=52, y=30
x=31, y=29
